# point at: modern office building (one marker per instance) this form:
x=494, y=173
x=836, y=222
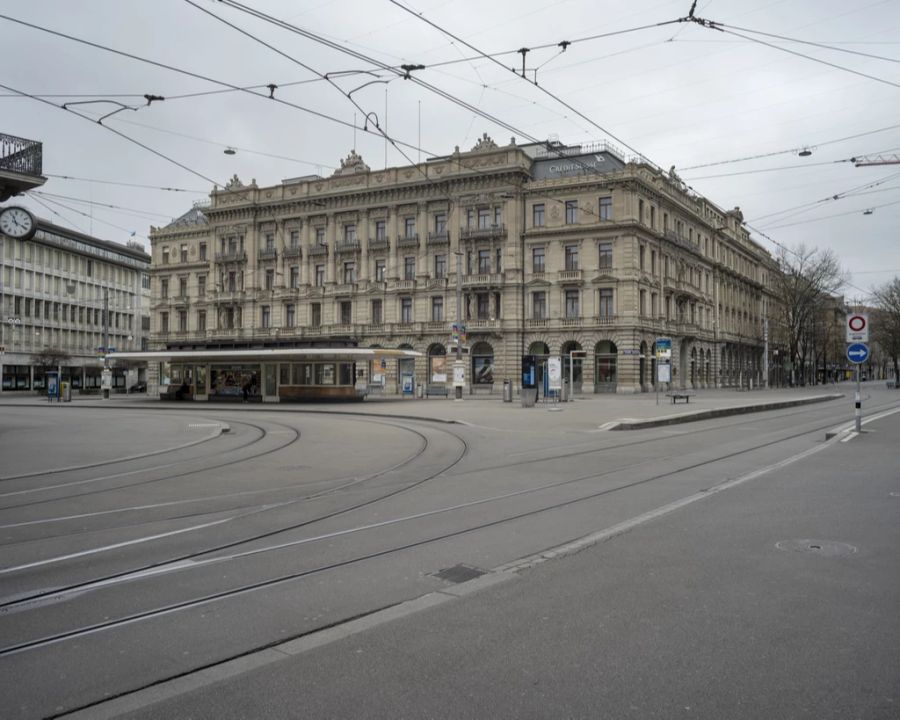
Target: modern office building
x=63, y=292
x=547, y=250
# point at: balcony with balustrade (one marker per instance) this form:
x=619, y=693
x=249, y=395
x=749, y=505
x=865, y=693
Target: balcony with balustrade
x=231, y=256
x=483, y=233
x=21, y=164
x=438, y=238
x=408, y=241
x=348, y=246
x=570, y=276
x=485, y=280
x=267, y=254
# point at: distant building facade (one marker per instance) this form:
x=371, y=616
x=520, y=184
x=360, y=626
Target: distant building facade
x=54, y=292
x=553, y=251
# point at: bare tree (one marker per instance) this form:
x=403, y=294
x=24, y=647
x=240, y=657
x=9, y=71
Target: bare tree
x=807, y=276
x=50, y=358
x=886, y=323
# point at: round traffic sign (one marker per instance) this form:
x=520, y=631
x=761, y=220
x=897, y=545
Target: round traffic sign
x=858, y=353
x=857, y=323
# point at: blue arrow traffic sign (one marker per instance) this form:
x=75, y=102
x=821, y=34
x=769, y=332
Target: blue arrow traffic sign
x=858, y=353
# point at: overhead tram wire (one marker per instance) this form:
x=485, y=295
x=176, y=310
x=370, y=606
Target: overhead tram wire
x=765, y=170
x=406, y=75
x=828, y=217
x=830, y=198
x=809, y=42
x=132, y=211
x=787, y=152
x=125, y=184
x=540, y=87
x=94, y=218
x=723, y=28
x=194, y=75
x=323, y=76
x=70, y=222
x=114, y=131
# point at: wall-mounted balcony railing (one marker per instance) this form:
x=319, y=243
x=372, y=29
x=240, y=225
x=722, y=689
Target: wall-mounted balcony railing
x=486, y=233
x=18, y=155
x=439, y=238
x=348, y=246
x=316, y=250
x=291, y=252
x=407, y=241
x=267, y=254
x=20, y=165
x=379, y=244
x=231, y=256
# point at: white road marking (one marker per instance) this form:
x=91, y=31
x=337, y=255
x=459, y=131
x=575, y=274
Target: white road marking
x=106, y=548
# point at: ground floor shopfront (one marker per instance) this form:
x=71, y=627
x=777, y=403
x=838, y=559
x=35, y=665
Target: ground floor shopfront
x=591, y=363
x=19, y=374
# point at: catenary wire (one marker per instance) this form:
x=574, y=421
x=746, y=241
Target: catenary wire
x=114, y=131
x=125, y=184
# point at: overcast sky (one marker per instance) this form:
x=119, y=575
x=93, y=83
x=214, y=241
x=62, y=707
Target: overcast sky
x=679, y=94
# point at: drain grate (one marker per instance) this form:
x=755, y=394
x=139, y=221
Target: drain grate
x=460, y=573
x=826, y=548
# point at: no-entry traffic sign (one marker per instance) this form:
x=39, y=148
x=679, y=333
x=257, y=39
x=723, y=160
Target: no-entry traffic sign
x=857, y=328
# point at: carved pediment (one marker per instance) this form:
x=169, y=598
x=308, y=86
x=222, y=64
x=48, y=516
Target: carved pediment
x=604, y=279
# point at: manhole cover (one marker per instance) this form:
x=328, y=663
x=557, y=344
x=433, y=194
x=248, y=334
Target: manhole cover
x=826, y=548
x=460, y=573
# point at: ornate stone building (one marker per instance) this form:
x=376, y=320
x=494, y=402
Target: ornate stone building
x=551, y=250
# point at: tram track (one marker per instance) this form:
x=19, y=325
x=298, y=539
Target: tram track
x=74, y=483
x=186, y=604
x=149, y=567
x=4, y=606
x=105, y=463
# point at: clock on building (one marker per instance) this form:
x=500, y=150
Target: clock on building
x=16, y=222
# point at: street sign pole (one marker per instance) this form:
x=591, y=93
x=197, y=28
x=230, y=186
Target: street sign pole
x=858, y=353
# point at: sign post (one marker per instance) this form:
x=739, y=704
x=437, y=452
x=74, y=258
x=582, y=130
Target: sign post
x=858, y=353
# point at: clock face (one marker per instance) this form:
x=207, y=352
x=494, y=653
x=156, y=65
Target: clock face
x=16, y=222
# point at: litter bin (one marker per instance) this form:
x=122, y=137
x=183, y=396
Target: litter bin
x=67, y=392
x=420, y=391
x=564, y=392
x=507, y=391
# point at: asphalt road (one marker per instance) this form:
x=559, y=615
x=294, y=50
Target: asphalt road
x=129, y=574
